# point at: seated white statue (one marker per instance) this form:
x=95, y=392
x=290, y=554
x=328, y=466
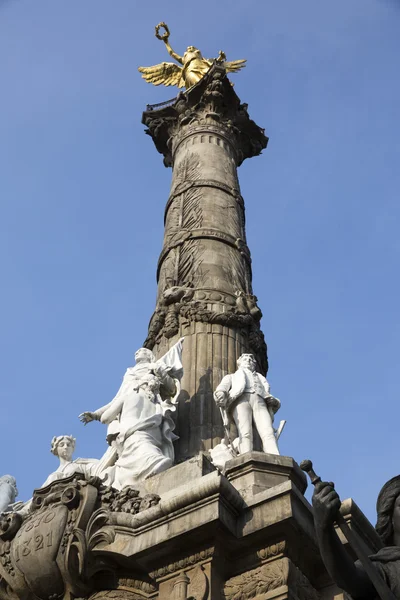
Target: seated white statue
x=8, y=492
x=63, y=446
x=143, y=407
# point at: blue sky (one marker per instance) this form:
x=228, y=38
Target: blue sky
x=82, y=198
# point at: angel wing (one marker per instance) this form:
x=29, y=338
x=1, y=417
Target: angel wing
x=163, y=74
x=233, y=66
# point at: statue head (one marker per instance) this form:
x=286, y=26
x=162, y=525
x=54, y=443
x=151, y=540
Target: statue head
x=10, y=481
x=63, y=446
x=247, y=361
x=388, y=510
x=192, y=50
x=143, y=355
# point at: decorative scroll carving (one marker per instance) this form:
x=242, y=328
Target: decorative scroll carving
x=258, y=581
x=47, y=553
x=9, y=525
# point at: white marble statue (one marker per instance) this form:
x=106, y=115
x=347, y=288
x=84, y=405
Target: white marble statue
x=8, y=492
x=245, y=397
x=63, y=446
x=143, y=408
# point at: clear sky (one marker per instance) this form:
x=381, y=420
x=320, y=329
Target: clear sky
x=82, y=198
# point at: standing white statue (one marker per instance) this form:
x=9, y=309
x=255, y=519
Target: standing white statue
x=8, y=492
x=245, y=397
x=143, y=407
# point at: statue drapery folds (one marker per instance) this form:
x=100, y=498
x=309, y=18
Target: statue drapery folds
x=140, y=416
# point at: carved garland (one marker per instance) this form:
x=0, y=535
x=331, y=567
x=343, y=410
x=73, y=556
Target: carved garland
x=258, y=581
x=165, y=322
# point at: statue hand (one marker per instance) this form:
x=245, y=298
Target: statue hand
x=221, y=56
x=326, y=503
x=159, y=369
x=86, y=417
x=220, y=398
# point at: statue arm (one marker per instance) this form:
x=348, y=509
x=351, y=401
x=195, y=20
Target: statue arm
x=167, y=382
x=225, y=385
x=349, y=576
x=221, y=393
x=264, y=380
x=172, y=53
x=110, y=411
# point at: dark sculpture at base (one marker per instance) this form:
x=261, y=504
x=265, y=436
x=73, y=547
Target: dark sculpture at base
x=356, y=578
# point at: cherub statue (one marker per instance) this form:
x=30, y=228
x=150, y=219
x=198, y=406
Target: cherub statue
x=194, y=65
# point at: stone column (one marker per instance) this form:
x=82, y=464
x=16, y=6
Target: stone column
x=204, y=271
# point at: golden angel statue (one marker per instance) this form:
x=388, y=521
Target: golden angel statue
x=194, y=65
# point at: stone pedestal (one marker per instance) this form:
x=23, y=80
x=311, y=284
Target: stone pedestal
x=254, y=472
x=241, y=535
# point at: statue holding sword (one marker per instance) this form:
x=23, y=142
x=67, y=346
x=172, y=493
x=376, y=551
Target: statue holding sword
x=245, y=397
x=370, y=577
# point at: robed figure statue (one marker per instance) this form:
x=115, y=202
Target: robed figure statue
x=142, y=408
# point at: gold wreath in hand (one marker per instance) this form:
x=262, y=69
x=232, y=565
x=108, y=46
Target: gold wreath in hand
x=164, y=36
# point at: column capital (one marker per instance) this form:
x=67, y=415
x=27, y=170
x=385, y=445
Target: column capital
x=210, y=105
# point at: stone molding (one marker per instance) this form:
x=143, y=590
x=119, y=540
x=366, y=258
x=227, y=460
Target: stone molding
x=271, y=551
x=183, y=563
x=211, y=102
x=210, y=134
